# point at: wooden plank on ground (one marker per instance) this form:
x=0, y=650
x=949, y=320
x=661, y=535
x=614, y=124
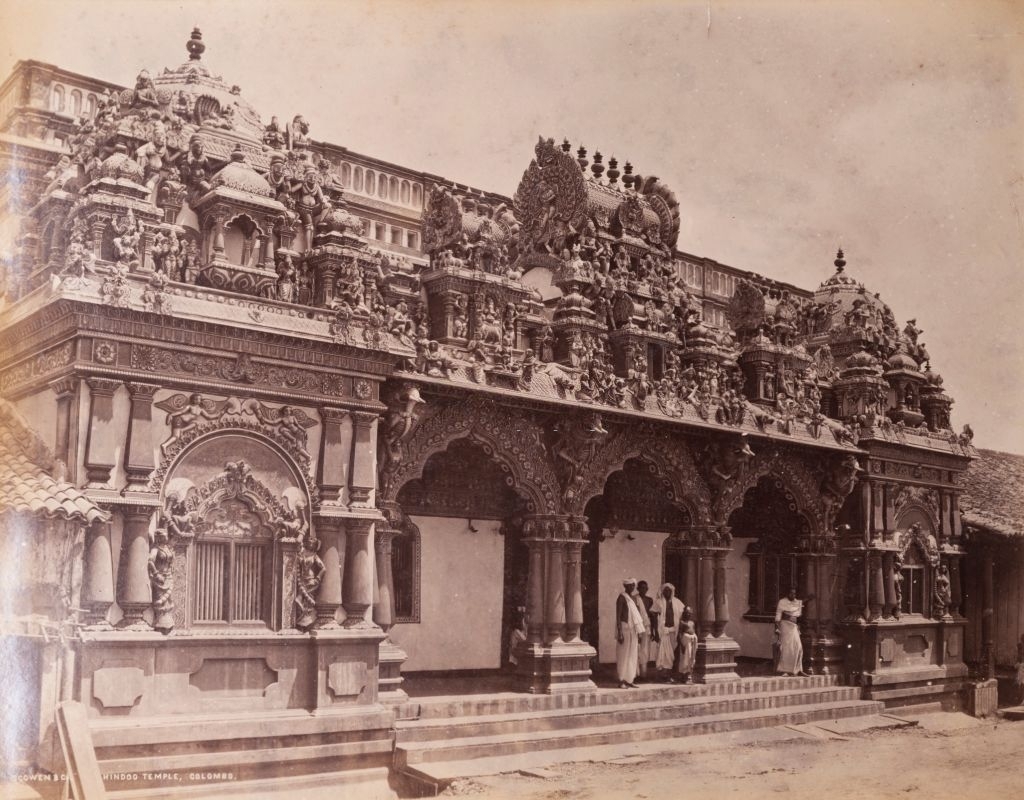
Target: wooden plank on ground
x=84, y=776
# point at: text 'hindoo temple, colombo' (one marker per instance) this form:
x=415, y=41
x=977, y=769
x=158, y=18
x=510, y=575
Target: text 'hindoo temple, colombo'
x=287, y=428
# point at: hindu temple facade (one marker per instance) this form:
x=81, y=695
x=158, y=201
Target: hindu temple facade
x=339, y=419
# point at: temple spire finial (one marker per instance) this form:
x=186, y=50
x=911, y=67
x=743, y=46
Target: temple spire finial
x=840, y=262
x=195, y=45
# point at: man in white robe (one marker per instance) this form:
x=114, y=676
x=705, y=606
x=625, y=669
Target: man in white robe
x=791, y=650
x=667, y=611
x=628, y=625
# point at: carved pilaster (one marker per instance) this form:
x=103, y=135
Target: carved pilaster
x=364, y=458
x=102, y=439
x=328, y=599
x=98, y=577
x=333, y=462
x=383, y=609
x=357, y=588
x=134, y=594
x=139, y=462
x=66, y=390
x=573, y=590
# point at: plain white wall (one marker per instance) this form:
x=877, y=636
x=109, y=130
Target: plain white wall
x=461, y=584
x=754, y=638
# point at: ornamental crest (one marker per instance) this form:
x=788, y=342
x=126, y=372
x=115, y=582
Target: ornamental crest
x=551, y=200
x=631, y=215
x=442, y=219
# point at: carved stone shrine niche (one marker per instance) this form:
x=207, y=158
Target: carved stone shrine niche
x=460, y=481
x=240, y=514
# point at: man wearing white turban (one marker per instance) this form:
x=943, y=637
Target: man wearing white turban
x=628, y=625
x=668, y=611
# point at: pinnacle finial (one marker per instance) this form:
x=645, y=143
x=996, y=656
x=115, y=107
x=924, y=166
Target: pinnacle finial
x=840, y=262
x=195, y=45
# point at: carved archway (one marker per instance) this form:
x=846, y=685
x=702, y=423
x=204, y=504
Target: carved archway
x=797, y=478
x=510, y=439
x=673, y=463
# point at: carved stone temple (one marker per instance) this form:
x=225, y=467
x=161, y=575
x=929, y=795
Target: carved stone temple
x=283, y=423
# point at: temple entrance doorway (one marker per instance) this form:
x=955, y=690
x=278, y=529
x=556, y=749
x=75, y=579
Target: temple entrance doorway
x=460, y=567
x=631, y=524
x=768, y=533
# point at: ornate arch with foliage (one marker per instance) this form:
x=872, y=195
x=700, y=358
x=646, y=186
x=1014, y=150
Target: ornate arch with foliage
x=673, y=462
x=798, y=478
x=509, y=438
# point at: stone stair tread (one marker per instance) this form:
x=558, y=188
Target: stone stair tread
x=441, y=773
x=172, y=728
x=235, y=758
x=369, y=784
x=611, y=708
x=578, y=733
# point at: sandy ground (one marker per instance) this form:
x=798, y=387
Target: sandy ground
x=946, y=756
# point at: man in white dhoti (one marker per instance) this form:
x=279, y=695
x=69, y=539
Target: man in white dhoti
x=628, y=625
x=791, y=650
x=643, y=605
x=667, y=613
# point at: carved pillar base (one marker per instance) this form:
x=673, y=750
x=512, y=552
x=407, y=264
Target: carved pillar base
x=716, y=659
x=824, y=654
x=555, y=668
x=390, y=660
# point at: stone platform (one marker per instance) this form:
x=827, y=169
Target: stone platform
x=439, y=738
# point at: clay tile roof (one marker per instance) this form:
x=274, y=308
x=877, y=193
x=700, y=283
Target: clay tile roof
x=993, y=497
x=25, y=482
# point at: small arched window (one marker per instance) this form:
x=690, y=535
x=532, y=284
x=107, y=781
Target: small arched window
x=357, y=179
x=90, y=106
x=417, y=196
x=371, y=181
x=346, y=174
x=57, y=98
x=393, y=189
x=382, y=187
x=76, y=103
x=405, y=192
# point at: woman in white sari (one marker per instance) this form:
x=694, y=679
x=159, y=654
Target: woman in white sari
x=791, y=650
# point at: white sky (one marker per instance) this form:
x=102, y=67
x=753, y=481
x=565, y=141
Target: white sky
x=785, y=128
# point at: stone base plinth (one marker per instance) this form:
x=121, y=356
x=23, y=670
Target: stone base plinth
x=824, y=654
x=982, y=698
x=391, y=657
x=555, y=668
x=716, y=659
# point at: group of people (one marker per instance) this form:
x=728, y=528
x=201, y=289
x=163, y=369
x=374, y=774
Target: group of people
x=653, y=629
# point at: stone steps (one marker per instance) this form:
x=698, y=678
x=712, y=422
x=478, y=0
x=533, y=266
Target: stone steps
x=664, y=708
x=513, y=703
x=170, y=755
x=523, y=742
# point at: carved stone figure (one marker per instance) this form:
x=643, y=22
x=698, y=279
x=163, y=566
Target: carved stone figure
x=838, y=485
x=161, y=580
x=897, y=578
x=311, y=203
x=574, y=447
x=185, y=419
x=194, y=167
x=942, y=596
x=153, y=154
x=126, y=242
x=309, y=574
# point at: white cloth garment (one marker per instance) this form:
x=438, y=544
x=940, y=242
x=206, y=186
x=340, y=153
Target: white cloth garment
x=667, y=634
x=791, y=650
x=627, y=651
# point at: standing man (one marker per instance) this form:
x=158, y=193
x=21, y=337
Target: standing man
x=643, y=604
x=628, y=624
x=666, y=614
x=791, y=649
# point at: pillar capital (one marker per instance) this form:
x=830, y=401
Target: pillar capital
x=64, y=387
x=333, y=415
x=102, y=387
x=142, y=391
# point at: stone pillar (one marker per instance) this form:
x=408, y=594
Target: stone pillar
x=102, y=439
x=535, y=591
x=889, y=591
x=573, y=590
x=98, y=577
x=364, y=458
x=66, y=390
x=706, y=598
x=876, y=592
x=138, y=455
x=691, y=572
x=721, y=596
x=333, y=462
x=217, y=242
x=988, y=626
x=357, y=588
x=555, y=608
x=328, y=599
x=134, y=595
x=383, y=609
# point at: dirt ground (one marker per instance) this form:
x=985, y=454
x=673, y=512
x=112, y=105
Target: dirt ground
x=946, y=756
